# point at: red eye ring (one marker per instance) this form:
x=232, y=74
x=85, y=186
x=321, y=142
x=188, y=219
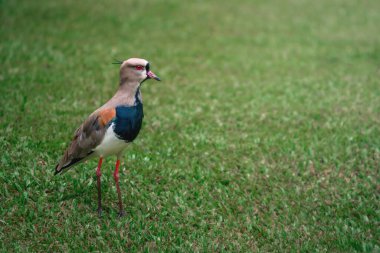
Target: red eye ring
x=139, y=67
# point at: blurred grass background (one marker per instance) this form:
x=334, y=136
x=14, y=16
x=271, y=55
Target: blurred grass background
x=263, y=136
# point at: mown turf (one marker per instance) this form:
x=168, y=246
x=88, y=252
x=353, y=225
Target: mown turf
x=263, y=136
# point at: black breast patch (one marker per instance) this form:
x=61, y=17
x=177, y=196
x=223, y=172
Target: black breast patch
x=128, y=121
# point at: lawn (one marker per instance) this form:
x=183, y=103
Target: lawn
x=263, y=136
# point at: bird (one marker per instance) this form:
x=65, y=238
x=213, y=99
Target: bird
x=109, y=129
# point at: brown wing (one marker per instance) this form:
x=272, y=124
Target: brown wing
x=86, y=138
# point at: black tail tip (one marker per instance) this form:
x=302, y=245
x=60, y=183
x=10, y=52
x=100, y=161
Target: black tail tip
x=56, y=171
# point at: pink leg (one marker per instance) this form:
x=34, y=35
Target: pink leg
x=116, y=177
x=99, y=174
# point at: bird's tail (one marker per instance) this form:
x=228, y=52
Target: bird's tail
x=68, y=162
x=59, y=168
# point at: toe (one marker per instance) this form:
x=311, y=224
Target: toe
x=121, y=213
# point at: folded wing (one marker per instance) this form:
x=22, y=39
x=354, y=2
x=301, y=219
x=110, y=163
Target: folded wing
x=86, y=138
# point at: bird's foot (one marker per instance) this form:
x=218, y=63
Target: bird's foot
x=100, y=212
x=121, y=213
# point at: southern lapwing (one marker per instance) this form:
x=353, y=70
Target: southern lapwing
x=109, y=129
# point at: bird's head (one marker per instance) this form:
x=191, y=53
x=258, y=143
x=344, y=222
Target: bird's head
x=136, y=70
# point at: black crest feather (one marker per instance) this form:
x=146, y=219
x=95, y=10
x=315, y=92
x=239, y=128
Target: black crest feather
x=118, y=62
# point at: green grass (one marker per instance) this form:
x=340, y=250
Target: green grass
x=263, y=136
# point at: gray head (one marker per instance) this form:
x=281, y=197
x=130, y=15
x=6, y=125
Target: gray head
x=136, y=70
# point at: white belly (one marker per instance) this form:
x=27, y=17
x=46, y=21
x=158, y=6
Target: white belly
x=111, y=145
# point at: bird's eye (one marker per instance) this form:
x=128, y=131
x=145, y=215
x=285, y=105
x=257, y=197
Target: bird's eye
x=139, y=67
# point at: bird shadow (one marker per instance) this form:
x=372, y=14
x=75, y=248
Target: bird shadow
x=84, y=193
